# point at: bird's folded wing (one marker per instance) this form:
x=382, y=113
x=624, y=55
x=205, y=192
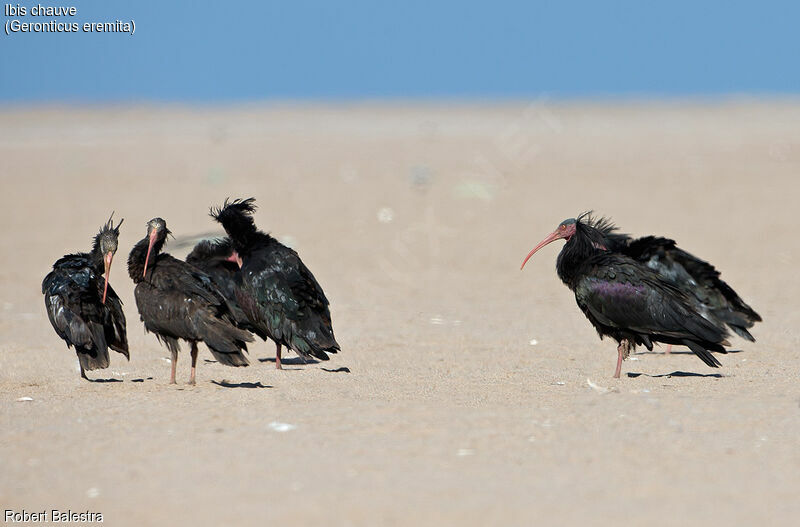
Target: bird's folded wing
x=288, y=284
x=617, y=297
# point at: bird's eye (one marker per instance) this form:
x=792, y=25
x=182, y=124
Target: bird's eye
x=562, y=227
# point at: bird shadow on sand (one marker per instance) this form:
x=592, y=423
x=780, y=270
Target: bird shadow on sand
x=292, y=361
x=681, y=352
x=104, y=380
x=226, y=384
x=343, y=369
x=142, y=380
x=676, y=374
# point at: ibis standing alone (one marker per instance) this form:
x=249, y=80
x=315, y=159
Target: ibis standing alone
x=625, y=299
x=83, y=308
x=178, y=301
x=279, y=294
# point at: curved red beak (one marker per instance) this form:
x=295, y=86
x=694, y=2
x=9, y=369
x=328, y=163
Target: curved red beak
x=555, y=235
x=109, y=256
x=153, y=235
x=235, y=258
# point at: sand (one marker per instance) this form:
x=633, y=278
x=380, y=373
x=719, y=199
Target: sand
x=462, y=393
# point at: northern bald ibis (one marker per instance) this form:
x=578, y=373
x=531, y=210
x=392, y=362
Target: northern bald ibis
x=179, y=301
x=626, y=300
x=83, y=308
x=280, y=296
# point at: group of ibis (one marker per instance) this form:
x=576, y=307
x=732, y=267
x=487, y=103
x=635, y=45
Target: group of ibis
x=637, y=291
x=227, y=290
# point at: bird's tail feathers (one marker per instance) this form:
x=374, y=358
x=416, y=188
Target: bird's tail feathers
x=229, y=358
x=94, y=356
x=122, y=350
x=316, y=342
x=736, y=321
x=703, y=353
x=742, y=332
x=707, y=329
x=227, y=342
x=98, y=361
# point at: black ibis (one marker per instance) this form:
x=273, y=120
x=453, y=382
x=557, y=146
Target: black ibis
x=687, y=272
x=279, y=294
x=83, y=308
x=626, y=300
x=179, y=301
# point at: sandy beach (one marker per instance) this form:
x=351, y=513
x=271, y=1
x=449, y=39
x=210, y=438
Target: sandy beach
x=467, y=392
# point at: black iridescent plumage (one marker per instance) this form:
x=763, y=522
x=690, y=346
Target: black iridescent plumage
x=83, y=309
x=628, y=301
x=687, y=272
x=214, y=257
x=178, y=301
x=280, y=296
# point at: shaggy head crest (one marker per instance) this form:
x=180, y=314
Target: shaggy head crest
x=239, y=207
x=602, y=224
x=237, y=218
x=106, y=239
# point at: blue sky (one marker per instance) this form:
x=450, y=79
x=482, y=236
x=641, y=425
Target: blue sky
x=243, y=51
